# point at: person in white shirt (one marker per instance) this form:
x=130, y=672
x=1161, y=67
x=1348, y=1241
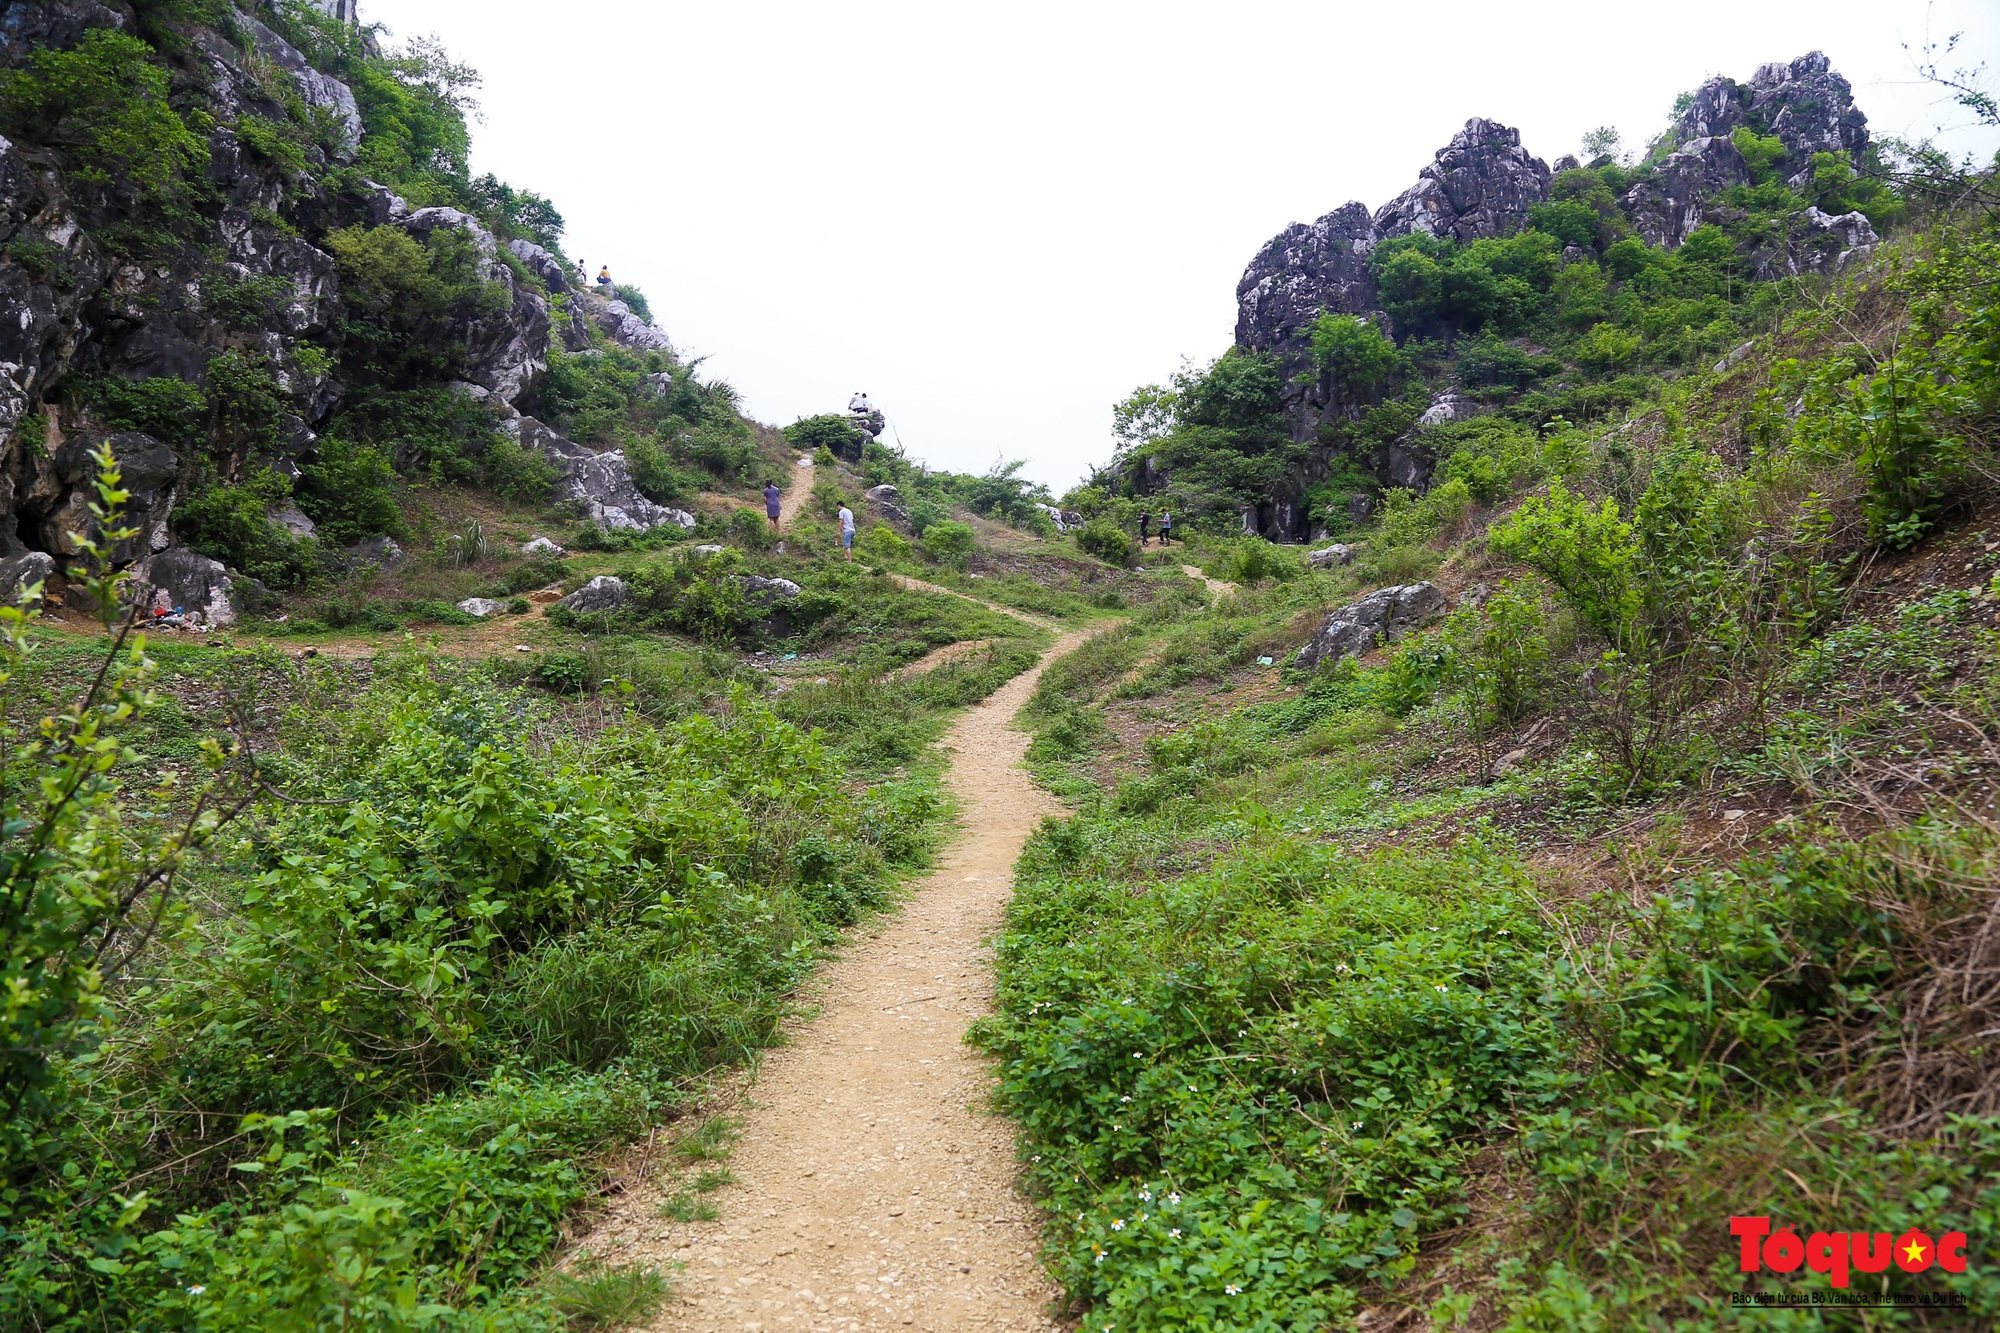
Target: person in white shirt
x=847, y=531
x=859, y=404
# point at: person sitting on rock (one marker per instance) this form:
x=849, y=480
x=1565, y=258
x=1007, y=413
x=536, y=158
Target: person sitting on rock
x=604, y=278
x=859, y=404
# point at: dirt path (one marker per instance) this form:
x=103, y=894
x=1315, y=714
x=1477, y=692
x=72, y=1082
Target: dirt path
x=1216, y=587
x=938, y=657
x=873, y=1192
x=798, y=492
x=918, y=585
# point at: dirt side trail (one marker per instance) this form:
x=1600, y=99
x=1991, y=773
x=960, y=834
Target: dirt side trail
x=872, y=1191
x=798, y=492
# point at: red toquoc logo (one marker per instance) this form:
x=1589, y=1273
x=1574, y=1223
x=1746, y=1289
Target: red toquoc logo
x=1839, y=1252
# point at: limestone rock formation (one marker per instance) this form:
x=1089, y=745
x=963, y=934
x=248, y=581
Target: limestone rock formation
x=20, y=572
x=599, y=485
x=542, y=546
x=1805, y=103
x=1383, y=616
x=481, y=606
x=1327, y=557
x=1480, y=184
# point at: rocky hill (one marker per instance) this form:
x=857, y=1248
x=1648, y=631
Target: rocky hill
x=247, y=253
x=1772, y=180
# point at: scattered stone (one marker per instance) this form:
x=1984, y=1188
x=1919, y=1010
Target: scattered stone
x=1383, y=616
x=523, y=648
x=1328, y=556
x=759, y=588
x=1510, y=762
x=1731, y=816
x=606, y=592
x=539, y=545
x=381, y=551
x=481, y=607
x=1735, y=354
x=709, y=548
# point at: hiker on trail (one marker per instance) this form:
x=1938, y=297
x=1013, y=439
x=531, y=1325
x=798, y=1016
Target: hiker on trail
x=1166, y=525
x=1145, y=521
x=847, y=531
x=604, y=278
x=772, y=496
x=859, y=404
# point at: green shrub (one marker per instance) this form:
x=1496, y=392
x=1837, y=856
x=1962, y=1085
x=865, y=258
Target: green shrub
x=1409, y=519
x=104, y=104
x=350, y=493
x=233, y=524
x=811, y=434
x=1251, y=560
x=949, y=543
x=1108, y=542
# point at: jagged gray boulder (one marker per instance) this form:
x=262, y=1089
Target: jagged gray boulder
x=1329, y=556
x=541, y=546
x=1383, y=616
x=507, y=349
x=187, y=583
x=481, y=607
x=1816, y=242
x=606, y=592
x=600, y=485
x=295, y=521
x=1804, y=103
x=1066, y=520
x=555, y=274
x=147, y=471
x=1676, y=200
x=320, y=91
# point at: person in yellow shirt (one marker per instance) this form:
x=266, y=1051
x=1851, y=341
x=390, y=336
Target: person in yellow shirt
x=604, y=278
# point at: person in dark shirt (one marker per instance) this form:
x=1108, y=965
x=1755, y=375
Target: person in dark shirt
x=1145, y=522
x=772, y=497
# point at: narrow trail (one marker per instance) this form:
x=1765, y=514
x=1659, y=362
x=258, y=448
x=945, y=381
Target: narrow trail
x=798, y=491
x=872, y=1190
x=1216, y=587
x=918, y=585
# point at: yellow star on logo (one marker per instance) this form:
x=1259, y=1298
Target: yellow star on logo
x=1914, y=1251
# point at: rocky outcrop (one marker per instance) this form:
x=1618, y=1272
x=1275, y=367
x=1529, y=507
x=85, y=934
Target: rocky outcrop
x=541, y=546
x=618, y=322
x=1816, y=243
x=481, y=607
x=554, y=274
x=1329, y=557
x=1383, y=616
x=1065, y=520
x=765, y=591
x=507, y=350
x=322, y=92
x=606, y=592
x=1480, y=184
x=887, y=501
x=1300, y=274
x=1804, y=103
x=147, y=471
x=599, y=485
x=1674, y=201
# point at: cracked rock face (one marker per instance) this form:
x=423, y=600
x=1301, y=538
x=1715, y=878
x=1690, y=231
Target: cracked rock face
x=1481, y=184
x=1804, y=102
x=1671, y=205
x=1383, y=616
x=600, y=485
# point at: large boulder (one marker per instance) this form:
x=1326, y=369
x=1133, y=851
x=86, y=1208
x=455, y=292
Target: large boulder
x=18, y=573
x=1480, y=185
x=1327, y=557
x=184, y=583
x=767, y=590
x=1383, y=616
x=600, y=485
x=1815, y=242
x=555, y=274
x=619, y=322
x=606, y=592
x=481, y=607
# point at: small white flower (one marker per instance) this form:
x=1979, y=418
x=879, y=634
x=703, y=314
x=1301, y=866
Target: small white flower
x=1233, y=1290
x=1117, y=1224
x=1037, y=1157
x=1357, y=1125
x=1440, y=988
x=1340, y=967
x=1100, y=1256
x=1137, y=1056
x=196, y=1290
x=1124, y=1099
x=1506, y=932
x=1147, y=1195
x=1174, y=1199
x=1175, y=1233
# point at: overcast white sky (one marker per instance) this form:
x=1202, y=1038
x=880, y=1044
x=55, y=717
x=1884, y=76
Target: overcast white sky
x=999, y=219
